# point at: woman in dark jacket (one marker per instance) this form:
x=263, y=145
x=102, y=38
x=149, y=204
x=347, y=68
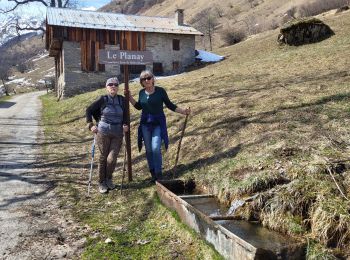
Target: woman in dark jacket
x=152, y=129
x=110, y=117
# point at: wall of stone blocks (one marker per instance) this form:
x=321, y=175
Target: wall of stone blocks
x=161, y=46
x=74, y=81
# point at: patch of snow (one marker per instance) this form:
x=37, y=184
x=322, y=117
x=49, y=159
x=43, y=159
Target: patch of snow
x=41, y=57
x=205, y=56
x=50, y=69
x=41, y=81
x=12, y=77
x=50, y=74
x=91, y=8
x=21, y=80
x=32, y=70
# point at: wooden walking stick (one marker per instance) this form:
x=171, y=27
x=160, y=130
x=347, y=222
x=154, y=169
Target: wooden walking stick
x=179, y=147
x=124, y=169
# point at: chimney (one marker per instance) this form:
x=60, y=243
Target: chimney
x=179, y=16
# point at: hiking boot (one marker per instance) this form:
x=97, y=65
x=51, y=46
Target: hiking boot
x=103, y=188
x=153, y=176
x=110, y=185
x=159, y=176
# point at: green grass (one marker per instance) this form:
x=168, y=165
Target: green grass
x=5, y=98
x=264, y=114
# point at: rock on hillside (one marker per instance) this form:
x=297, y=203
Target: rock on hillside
x=303, y=31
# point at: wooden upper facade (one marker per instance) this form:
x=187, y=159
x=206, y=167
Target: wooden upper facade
x=91, y=40
x=95, y=30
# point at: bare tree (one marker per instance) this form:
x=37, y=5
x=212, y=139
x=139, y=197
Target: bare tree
x=51, y=3
x=207, y=22
x=15, y=22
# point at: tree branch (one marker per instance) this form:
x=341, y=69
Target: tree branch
x=66, y=4
x=19, y=3
x=20, y=28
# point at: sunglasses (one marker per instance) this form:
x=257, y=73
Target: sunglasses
x=147, y=78
x=112, y=84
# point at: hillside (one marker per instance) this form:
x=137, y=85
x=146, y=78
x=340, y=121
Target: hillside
x=33, y=64
x=246, y=17
x=269, y=123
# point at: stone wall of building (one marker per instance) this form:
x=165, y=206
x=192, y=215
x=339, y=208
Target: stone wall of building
x=161, y=46
x=74, y=81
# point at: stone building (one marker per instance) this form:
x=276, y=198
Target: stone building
x=74, y=38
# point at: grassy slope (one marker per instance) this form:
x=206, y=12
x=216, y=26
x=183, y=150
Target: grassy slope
x=265, y=121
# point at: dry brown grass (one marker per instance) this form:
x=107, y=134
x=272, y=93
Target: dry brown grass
x=255, y=107
x=250, y=17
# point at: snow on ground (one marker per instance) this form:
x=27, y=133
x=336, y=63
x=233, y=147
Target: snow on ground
x=41, y=81
x=205, y=56
x=50, y=69
x=21, y=82
x=32, y=70
x=41, y=57
x=50, y=74
x=90, y=8
x=15, y=81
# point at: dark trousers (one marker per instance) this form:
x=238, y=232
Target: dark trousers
x=109, y=146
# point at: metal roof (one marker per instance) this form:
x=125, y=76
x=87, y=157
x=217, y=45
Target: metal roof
x=115, y=21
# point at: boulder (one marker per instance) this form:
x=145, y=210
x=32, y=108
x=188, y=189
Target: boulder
x=303, y=31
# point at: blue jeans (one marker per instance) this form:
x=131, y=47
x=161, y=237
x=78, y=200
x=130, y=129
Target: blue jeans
x=153, y=141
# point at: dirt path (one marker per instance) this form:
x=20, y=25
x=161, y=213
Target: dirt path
x=32, y=225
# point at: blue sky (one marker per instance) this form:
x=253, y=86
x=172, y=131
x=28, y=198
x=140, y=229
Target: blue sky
x=37, y=9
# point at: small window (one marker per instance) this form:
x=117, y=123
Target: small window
x=158, y=68
x=176, y=44
x=176, y=66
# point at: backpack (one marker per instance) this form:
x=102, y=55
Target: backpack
x=96, y=115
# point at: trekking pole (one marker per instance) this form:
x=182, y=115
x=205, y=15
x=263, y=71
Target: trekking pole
x=124, y=169
x=179, y=147
x=92, y=162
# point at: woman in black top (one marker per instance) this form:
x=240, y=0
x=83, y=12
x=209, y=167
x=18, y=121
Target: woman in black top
x=152, y=129
x=109, y=114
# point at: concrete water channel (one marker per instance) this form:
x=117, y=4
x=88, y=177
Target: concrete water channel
x=233, y=239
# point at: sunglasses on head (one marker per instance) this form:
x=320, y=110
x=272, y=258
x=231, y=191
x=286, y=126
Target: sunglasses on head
x=112, y=84
x=147, y=78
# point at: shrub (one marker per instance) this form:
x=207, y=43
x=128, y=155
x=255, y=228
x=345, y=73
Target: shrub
x=25, y=66
x=233, y=36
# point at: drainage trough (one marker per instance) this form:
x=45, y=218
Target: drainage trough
x=233, y=239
